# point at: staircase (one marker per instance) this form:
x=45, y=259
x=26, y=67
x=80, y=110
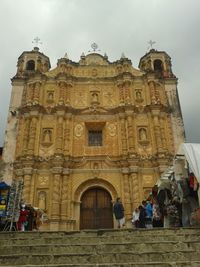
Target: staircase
x=116, y=248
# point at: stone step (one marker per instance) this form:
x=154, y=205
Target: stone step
x=20, y=240
x=108, y=233
x=165, y=246
x=91, y=258
x=151, y=264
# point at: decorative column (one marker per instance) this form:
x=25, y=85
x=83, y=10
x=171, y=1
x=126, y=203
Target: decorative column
x=32, y=136
x=163, y=134
x=157, y=132
x=135, y=190
x=30, y=94
x=152, y=92
x=130, y=132
x=127, y=96
x=121, y=94
x=27, y=184
x=36, y=92
x=59, y=135
x=65, y=198
x=127, y=196
x=56, y=194
x=67, y=95
x=67, y=136
x=123, y=134
x=26, y=135
x=62, y=89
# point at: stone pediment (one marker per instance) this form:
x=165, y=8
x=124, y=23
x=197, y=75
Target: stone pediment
x=94, y=110
x=95, y=60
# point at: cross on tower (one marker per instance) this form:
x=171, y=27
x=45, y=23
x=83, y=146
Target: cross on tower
x=36, y=41
x=151, y=43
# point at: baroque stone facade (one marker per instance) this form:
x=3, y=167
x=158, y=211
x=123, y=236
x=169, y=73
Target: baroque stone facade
x=90, y=124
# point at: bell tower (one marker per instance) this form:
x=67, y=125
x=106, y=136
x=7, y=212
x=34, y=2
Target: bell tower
x=158, y=71
x=31, y=65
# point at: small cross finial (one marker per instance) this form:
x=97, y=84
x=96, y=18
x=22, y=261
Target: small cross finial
x=94, y=48
x=151, y=43
x=36, y=41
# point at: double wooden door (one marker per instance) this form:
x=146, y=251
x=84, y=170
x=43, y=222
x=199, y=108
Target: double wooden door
x=96, y=209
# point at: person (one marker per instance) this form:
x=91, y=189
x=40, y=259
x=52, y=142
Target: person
x=149, y=214
x=142, y=216
x=157, y=216
x=22, y=222
x=118, y=210
x=173, y=214
x=135, y=219
x=164, y=197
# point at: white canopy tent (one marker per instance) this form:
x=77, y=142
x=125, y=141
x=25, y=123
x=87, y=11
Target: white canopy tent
x=192, y=154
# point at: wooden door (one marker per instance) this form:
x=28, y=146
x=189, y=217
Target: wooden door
x=96, y=209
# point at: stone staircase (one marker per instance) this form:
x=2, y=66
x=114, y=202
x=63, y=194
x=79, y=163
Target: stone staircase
x=125, y=248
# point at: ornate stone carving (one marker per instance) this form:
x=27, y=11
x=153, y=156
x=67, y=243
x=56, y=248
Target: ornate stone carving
x=43, y=180
x=112, y=129
x=42, y=198
x=80, y=99
x=138, y=95
x=47, y=136
x=109, y=99
x=78, y=130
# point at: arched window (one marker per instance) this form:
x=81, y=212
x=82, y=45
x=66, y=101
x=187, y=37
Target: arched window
x=158, y=65
x=30, y=65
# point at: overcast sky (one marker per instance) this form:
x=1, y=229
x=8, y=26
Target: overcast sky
x=116, y=26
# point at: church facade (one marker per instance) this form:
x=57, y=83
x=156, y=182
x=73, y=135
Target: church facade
x=86, y=132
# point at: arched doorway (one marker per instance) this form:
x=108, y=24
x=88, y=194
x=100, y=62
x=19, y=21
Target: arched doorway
x=96, y=209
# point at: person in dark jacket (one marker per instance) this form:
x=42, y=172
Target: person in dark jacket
x=118, y=210
x=142, y=217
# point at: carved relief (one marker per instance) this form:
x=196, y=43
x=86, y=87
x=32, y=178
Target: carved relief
x=108, y=99
x=43, y=180
x=112, y=129
x=147, y=181
x=78, y=130
x=94, y=97
x=42, y=197
x=80, y=99
x=138, y=95
x=47, y=136
x=94, y=72
x=50, y=96
x=143, y=135
x=29, y=93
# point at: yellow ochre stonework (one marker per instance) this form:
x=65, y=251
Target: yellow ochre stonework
x=56, y=116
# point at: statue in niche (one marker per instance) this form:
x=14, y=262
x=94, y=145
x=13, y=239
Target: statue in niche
x=47, y=136
x=39, y=65
x=142, y=134
x=138, y=95
x=95, y=97
x=50, y=96
x=42, y=200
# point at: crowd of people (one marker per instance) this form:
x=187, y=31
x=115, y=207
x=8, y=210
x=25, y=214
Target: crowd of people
x=171, y=204
x=30, y=218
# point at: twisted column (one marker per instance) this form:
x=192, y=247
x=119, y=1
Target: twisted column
x=55, y=205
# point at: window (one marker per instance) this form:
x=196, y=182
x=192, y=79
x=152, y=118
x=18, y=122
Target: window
x=30, y=65
x=95, y=138
x=158, y=66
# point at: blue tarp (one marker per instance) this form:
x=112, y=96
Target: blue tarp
x=3, y=185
